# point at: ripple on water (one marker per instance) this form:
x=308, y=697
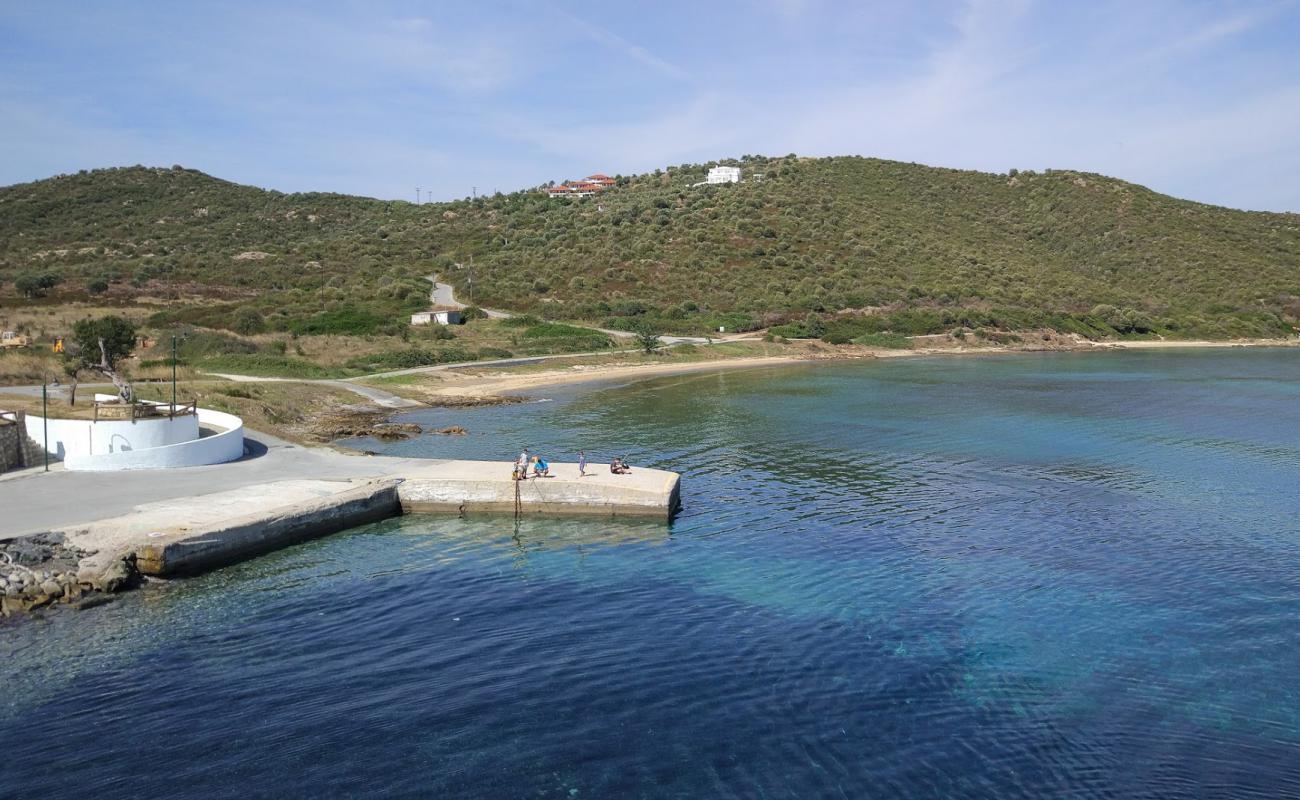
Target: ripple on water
x=1057, y=576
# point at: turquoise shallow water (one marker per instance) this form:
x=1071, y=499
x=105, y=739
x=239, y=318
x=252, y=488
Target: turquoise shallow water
x=1034, y=576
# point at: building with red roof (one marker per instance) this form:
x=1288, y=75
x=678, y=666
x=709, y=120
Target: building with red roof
x=584, y=188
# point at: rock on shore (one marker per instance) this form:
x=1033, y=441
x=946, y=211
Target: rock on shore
x=41, y=570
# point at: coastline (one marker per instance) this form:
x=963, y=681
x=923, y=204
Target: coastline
x=468, y=386
x=322, y=413
x=80, y=568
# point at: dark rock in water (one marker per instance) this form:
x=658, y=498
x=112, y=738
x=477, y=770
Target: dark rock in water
x=93, y=601
x=395, y=431
x=454, y=430
x=456, y=401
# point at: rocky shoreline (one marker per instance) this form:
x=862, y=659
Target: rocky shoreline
x=356, y=421
x=41, y=570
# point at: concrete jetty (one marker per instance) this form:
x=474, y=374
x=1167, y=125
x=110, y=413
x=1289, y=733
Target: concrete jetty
x=192, y=533
x=486, y=486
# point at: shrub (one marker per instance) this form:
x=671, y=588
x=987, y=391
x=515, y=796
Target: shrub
x=410, y=358
x=547, y=330
x=267, y=365
x=194, y=344
x=794, y=330
x=248, y=321
x=893, y=341
x=343, y=322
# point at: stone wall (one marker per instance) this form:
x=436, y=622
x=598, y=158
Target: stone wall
x=17, y=449
x=11, y=450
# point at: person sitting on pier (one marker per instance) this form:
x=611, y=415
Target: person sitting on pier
x=618, y=466
x=541, y=469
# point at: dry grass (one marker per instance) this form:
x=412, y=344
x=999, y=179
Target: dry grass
x=28, y=366
x=58, y=404
x=285, y=409
x=160, y=373
x=44, y=322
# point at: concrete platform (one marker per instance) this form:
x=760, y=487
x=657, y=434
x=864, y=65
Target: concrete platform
x=190, y=534
x=479, y=486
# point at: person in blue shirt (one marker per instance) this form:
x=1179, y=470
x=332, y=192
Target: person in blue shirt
x=541, y=468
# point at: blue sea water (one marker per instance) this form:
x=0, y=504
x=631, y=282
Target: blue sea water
x=1072, y=575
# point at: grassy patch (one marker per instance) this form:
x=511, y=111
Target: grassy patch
x=892, y=341
x=347, y=322
x=410, y=358
x=270, y=366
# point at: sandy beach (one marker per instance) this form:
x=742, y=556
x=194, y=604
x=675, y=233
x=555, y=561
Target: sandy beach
x=467, y=384
x=444, y=386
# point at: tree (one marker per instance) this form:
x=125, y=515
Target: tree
x=72, y=370
x=36, y=285
x=97, y=286
x=99, y=344
x=647, y=338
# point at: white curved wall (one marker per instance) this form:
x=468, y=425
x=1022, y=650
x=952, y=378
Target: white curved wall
x=192, y=452
x=72, y=438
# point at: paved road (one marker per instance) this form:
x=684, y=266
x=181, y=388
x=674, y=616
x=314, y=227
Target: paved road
x=444, y=294
x=440, y=294
x=34, y=500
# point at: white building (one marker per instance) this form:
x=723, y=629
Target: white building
x=442, y=316
x=723, y=175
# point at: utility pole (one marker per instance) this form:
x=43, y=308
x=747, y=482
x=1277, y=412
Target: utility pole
x=417, y=195
x=45, y=421
x=173, y=414
x=474, y=189
x=471, y=279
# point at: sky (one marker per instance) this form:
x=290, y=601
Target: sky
x=1200, y=100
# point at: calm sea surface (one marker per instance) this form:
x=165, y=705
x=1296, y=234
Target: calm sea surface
x=1030, y=576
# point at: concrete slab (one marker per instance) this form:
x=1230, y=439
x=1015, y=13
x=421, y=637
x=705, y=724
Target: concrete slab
x=32, y=501
x=470, y=486
x=185, y=534
x=173, y=538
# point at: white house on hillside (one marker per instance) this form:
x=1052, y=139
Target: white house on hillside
x=723, y=175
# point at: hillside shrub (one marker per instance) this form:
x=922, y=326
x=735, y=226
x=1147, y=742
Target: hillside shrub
x=342, y=322
x=893, y=341
x=548, y=330
x=410, y=358
x=267, y=365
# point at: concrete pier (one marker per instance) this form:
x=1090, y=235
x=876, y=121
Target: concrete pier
x=191, y=534
x=221, y=529
x=485, y=486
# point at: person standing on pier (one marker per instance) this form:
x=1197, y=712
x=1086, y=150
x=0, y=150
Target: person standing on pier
x=521, y=466
x=582, y=464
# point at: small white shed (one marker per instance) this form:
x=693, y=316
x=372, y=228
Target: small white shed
x=441, y=316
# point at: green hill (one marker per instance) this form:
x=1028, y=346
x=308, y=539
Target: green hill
x=862, y=245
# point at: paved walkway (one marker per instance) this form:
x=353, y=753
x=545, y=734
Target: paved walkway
x=33, y=500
